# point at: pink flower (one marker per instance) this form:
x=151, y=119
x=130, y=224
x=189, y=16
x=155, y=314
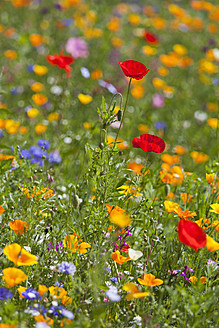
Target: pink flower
x=77, y=47
x=158, y=100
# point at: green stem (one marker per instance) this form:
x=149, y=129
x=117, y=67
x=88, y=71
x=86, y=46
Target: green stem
x=127, y=96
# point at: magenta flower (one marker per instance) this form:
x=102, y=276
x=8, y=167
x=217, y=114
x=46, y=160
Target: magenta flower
x=77, y=47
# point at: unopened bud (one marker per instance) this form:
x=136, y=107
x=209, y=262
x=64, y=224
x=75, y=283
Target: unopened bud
x=75, y=201
x=167, y=189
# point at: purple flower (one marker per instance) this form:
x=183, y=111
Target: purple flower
x=114, y=279
x=5, y=294
x=158, y=100
x=43, y=143
x=60, y=311
x=67, y=267
x=36, y=151
x=54, y=157
x=160, y=125
x=30, y=294
x=212, y=264
x=26, y=153
x=77, y=47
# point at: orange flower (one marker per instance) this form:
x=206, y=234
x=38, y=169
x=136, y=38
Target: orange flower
x=20, y=290
x=136, y=168
x=212, y=245
x=58, y=292
x=184, y=214
x=71, y=242
x=186, y=197
x=39, y=99
x=133, y=291
x=43, y=193
x=13, y=276
x=66, y=300
x=202, y=280
x=114, y=209
x=1, y=210
x=42, y=289
x=7, y=325
x=36, y=39
x=18, y=226
x=203, y=223
x=19, y=255
x=149, y=280
x=40, y=318
x=210, y=177
x=118, y=258
x=120, y=219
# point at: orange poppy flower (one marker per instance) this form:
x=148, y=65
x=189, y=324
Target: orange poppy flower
x=58, y=292
x=114, y=209
x=133, y=291
x=13, y=276
x=18, y=226
x=19, y=255
x=72, y=243
x=149, y=280
x=118, y=258
x=1, y=210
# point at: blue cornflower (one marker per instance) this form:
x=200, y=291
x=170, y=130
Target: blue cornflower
x=1, y=134
x=60, y=311
x=114, y=279
x=5, y=294
x=43, y=143
x=36, y=151
x=37, y=160
x=26, y=153
x=30, y=68
x=160, y=125
x=67, y=267
x=54, y=157
x=30, y=294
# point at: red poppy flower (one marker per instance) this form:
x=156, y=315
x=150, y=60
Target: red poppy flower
x=150, y=38
x=134, y=69
x=62, y=62
x=189, y=233
x=148, y=143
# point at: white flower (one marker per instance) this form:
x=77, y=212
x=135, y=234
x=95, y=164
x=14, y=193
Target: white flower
x=134, y=255
x=113, y=295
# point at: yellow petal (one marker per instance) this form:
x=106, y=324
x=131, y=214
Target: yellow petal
x=120, y=219
x=212, y=245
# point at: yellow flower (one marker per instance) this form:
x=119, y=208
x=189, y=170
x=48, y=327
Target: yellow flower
x=215, y=208
x=149, y=51
x=58, y=292
x=210, y=177
x=120, y=219
x=129, y=190
x=134, y=19
x=40, y=128
x=18, y=226
x=114, y=209
x=163, y=71
x=212, y=245
x=39, y=99
x=203, y=223
x=40, y=70
x=20, y=290
x=84, y=99
x=53, y=117
x=179, y=49
x=194, y=279
x=212, y=107
x=19, y=255
x=170, y=206
x=118, y=258
x=13, y=276
x=149, y=280
x=66, y=300
x=180, y=150
x=213, y=123
x=32, y=112
x=158, y=83
x=133, y=291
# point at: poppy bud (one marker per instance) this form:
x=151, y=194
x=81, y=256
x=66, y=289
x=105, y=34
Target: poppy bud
x=75, y=201
x=119, y=115
x=167, y=189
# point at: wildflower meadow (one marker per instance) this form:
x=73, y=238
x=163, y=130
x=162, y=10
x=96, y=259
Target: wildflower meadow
x=109, y=163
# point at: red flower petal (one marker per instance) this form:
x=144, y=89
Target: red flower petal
x=149, y=143
x=150, y=38
x=189, y=233
x=134, y=69
x=61, y=61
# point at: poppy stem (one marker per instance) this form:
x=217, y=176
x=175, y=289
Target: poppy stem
x=126, y=101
